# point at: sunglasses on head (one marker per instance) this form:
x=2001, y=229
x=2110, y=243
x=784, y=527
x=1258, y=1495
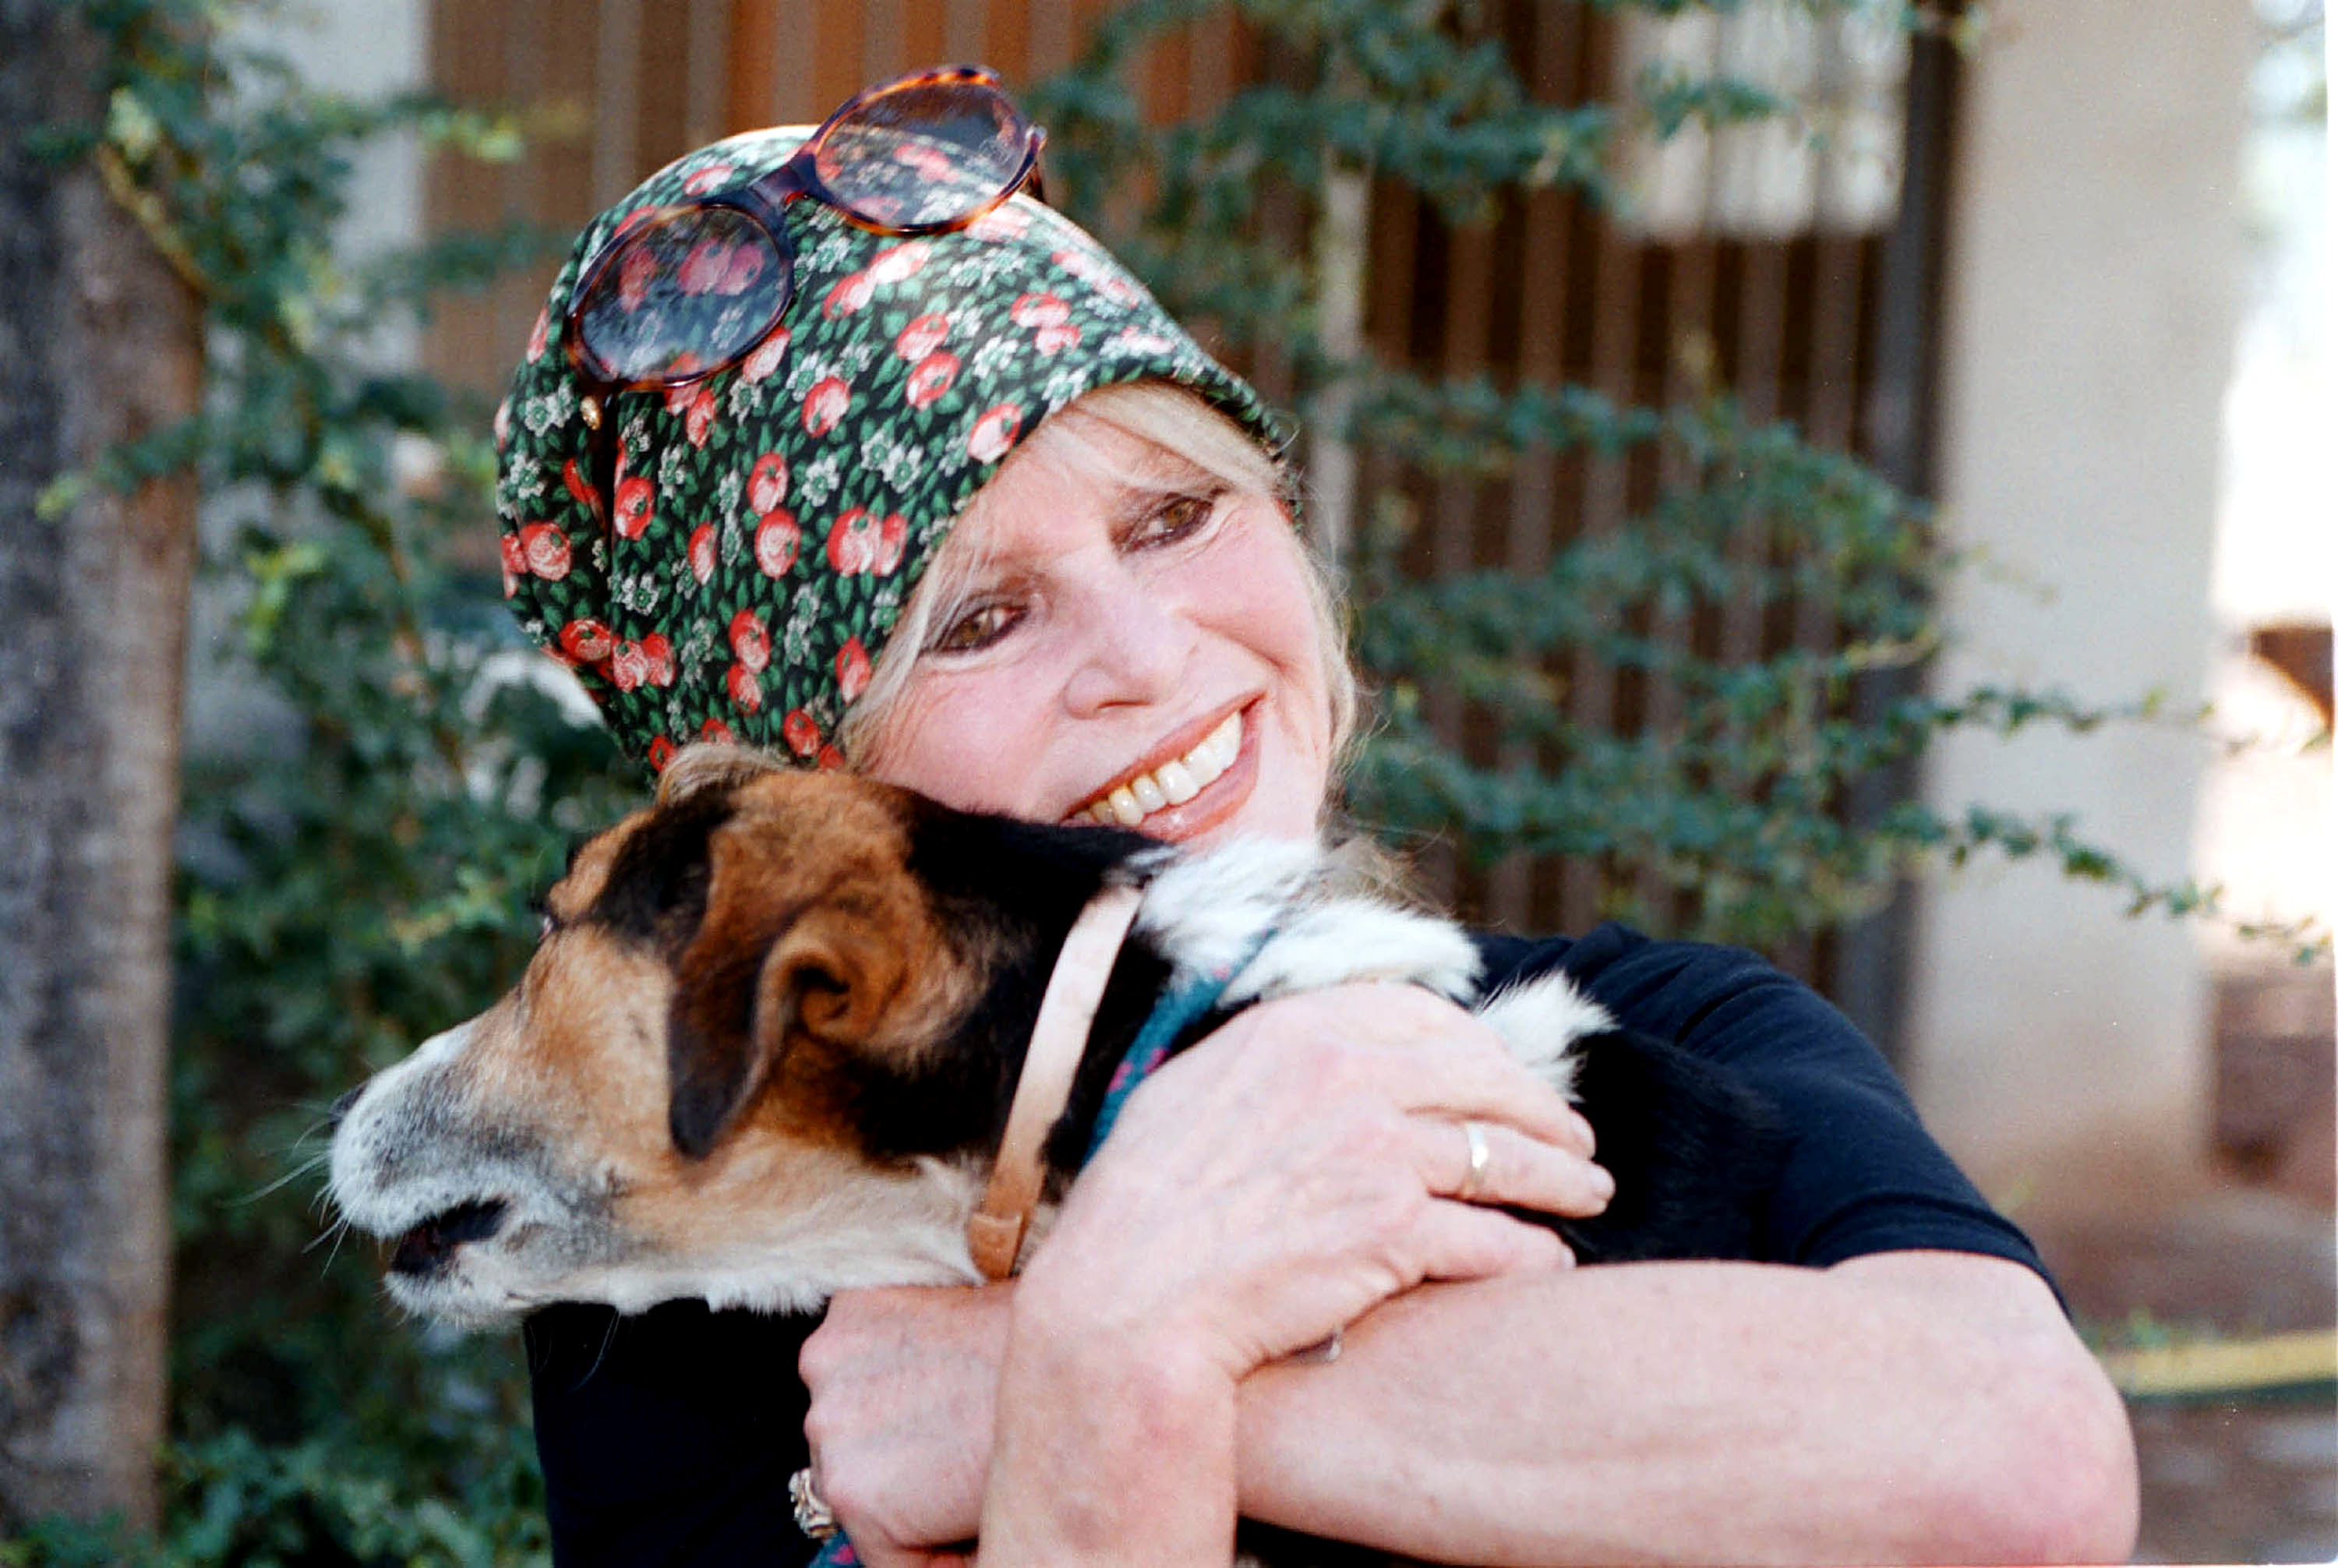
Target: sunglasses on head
x=685, y=291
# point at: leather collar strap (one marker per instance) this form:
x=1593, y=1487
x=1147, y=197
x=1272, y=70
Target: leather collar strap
x=994, y=1235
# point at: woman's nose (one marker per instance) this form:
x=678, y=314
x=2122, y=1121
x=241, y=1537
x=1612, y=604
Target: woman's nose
x=1140, y=646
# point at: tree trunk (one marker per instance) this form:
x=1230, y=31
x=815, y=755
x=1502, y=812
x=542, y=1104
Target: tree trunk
x=100, y=342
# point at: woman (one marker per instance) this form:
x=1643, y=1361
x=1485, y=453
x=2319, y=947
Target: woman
x=965, y=511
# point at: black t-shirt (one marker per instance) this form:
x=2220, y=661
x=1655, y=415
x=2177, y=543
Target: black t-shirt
x=668, y=1437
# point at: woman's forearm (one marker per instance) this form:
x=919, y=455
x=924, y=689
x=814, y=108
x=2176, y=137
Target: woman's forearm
x=1910, y=1407
x=1110, y=1458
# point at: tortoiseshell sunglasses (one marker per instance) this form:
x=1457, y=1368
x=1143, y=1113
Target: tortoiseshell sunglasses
x=682, y=293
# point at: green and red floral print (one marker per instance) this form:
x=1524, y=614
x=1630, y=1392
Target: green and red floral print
x=763, y=527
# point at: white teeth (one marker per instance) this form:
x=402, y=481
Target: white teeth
x=1221, y=745
x=1172, y=783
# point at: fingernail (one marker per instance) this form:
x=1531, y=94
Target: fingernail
x=1604, y=1181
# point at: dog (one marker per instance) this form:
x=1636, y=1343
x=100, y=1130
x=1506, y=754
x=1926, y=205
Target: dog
x=766, y=1047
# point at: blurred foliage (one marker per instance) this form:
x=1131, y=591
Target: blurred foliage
x=1729, y=813
x=357, y=859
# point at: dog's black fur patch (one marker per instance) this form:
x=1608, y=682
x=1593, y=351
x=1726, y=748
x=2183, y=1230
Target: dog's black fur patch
x=1007, y=892
x=1694, y=1151
x=655, y=890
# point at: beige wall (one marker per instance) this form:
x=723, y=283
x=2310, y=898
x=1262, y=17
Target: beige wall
x=2058, y=1049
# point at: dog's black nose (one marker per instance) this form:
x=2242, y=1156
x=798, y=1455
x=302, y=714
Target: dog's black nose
x=431, y=1246
x=342, y=1106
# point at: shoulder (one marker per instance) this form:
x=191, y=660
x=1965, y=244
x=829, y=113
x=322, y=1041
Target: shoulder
x=1725, y=1004
x=1865, y=1176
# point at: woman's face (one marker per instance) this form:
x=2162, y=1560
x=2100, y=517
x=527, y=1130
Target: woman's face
x=1139, y=649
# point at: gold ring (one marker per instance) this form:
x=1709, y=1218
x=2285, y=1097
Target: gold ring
x=814, y=1515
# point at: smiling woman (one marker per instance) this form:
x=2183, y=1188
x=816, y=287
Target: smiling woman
x=962, y=509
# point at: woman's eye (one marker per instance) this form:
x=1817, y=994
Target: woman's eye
x=1177, y=518
x=977, y=628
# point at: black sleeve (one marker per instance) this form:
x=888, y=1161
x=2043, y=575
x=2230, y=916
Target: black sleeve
x=668, y=1437
x=1864, y=1176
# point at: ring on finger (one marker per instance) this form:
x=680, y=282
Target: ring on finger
x=1482, y=1154
x=814, y=1517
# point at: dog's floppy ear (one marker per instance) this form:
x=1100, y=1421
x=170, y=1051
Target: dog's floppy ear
x=742, y=995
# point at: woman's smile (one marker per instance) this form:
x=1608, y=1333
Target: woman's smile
x=1184, y=773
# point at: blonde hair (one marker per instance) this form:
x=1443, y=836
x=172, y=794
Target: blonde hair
x=1161, y=414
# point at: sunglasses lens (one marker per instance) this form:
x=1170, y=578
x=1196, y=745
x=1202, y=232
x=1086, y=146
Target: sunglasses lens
x=693, y=287
x=924, y=155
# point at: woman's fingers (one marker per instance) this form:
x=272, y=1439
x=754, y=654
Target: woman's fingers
x=1479, y=1161
x=1487, y=1085
x=1462, y=1241
x=1429, y=1055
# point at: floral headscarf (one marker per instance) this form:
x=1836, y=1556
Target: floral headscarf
x=767, y=523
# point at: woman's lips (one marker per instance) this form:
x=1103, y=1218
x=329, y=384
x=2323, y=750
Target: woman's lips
x=1222, y=768
x=1174, y=782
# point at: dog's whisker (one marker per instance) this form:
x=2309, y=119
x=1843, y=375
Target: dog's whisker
x=332, y=1233
x=608, y=1338
x=308, y=1167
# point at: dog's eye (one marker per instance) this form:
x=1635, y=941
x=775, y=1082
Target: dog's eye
x=544, y=925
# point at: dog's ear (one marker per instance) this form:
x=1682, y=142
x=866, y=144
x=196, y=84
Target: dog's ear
x=828, y=976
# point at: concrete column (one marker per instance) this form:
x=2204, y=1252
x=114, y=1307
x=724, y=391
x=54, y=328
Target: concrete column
x=2059, y=1050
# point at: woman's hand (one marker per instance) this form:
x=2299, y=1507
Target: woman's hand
x=1266, y=1188
x=1261, y=1192
x=904, y=1384
x=1274, y=1183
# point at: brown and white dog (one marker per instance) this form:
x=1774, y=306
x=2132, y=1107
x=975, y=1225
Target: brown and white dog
x=766, y=1048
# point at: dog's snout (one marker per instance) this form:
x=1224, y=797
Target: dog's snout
x=343, y=1106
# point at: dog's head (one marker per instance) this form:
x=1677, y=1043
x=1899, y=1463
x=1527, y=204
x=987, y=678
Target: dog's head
x=723, y=1074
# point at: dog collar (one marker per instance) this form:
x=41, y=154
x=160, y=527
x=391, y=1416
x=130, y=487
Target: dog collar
x=1177, y=1011
x=994, y=1235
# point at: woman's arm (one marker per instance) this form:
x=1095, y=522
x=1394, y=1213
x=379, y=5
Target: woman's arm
x=1915, y=1407
x=1912, y=1407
